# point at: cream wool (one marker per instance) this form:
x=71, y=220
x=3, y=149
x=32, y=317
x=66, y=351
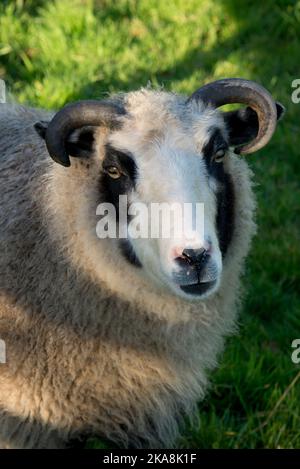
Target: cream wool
x=93, y=347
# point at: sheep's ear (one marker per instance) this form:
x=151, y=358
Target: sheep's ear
x=242, y=125
x=41, y=128
x=80, y=142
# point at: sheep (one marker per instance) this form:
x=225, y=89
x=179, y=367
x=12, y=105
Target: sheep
x=108, y=337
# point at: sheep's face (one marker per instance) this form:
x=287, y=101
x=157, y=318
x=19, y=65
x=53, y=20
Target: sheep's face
x=168, y=158
x=171, y=154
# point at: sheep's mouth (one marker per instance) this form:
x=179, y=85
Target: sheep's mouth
x=198, y=288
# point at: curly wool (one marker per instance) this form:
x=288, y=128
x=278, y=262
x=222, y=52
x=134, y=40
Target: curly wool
x=92, y=348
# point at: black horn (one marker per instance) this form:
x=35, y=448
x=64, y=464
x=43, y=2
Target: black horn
x=74, y=116
x=238, y=90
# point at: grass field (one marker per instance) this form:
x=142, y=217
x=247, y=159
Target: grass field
x=52, y=52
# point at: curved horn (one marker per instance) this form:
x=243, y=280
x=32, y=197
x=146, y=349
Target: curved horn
x=238, y=90
x=74, y=116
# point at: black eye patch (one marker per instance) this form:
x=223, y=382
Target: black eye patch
x=111, y=189
x=124, y=161
x=225, y=195
x=215, y=143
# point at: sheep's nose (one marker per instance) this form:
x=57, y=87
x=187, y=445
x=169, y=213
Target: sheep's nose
x=193, y=258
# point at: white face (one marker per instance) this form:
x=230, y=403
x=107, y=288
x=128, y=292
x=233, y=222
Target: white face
x=174, y=152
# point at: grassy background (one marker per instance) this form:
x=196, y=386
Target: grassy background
x=56, y=51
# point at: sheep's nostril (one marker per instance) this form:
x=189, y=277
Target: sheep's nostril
x=192, y=258
x=196, y=257
x=183, y=261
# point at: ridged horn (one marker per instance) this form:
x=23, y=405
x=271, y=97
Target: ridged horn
x=74, y=116
x=238, y=90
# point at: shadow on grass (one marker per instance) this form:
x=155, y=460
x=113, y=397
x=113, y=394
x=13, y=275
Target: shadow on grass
x=31, y=7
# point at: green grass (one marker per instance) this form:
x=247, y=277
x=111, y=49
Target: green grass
x=54, y=52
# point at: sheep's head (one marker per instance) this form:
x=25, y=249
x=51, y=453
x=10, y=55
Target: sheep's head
x=164, y=149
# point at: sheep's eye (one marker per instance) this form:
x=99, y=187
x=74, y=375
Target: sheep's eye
x=219, y=155
x=113, y=172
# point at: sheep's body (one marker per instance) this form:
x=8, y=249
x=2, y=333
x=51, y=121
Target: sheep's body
x=124, y=362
